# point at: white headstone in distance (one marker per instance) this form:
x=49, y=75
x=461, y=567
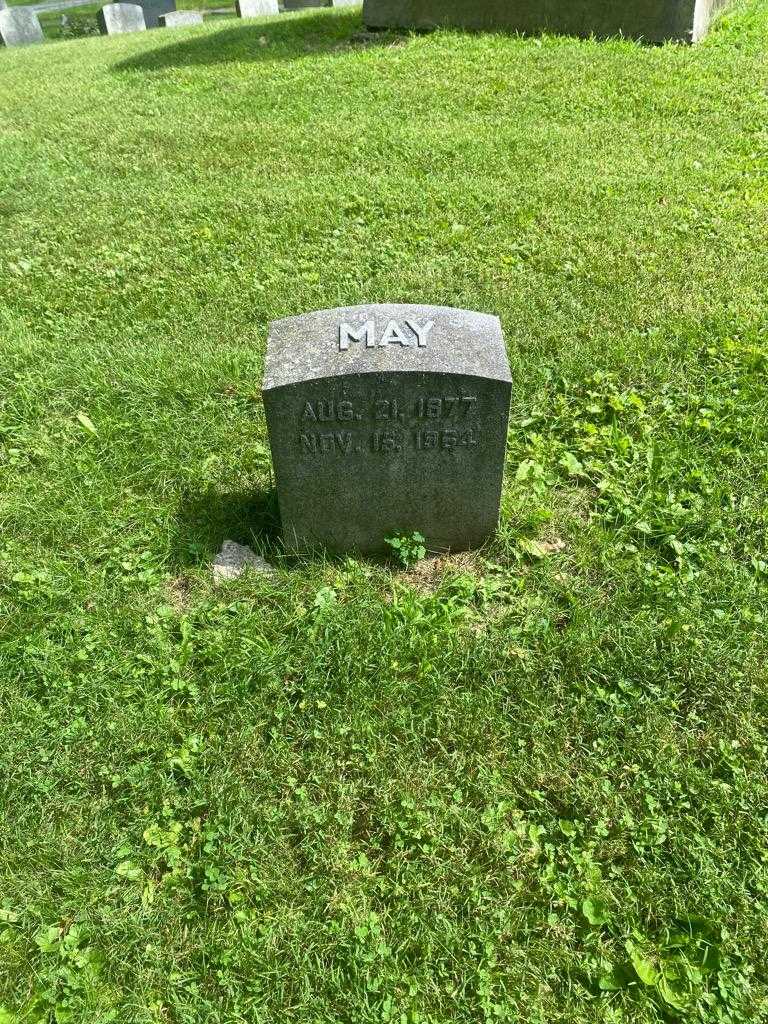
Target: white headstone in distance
x=115, y=19
x=19, y=26
x=255, y=8
x=178, y=19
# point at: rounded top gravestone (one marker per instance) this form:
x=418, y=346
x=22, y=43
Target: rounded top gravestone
x=385, y=419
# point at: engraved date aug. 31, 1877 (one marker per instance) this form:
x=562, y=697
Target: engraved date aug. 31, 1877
x=432, y=407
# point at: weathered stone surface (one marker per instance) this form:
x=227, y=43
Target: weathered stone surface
x=19, y=26
x=384, y=419
x=234, y=559
x=177, y=19
x=115, y=19
x=255, y=8
x=651, y=20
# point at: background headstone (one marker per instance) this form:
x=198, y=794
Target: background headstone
x=3, y=5
x=299, y=5
x=386, y=419
x=651, y=20
x=255, y=8
x=704, y=12
x=176, y=19
x=19, y=26
x=154, y=8
x=114, y=19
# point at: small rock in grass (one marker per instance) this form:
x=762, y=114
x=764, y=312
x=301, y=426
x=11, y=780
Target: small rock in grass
x=553, y=547
x=234, y=559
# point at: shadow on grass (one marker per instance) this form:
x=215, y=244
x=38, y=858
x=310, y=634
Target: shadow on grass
x=290, y=37
x=206, y=520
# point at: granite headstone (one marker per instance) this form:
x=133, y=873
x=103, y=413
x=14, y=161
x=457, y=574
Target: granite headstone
x=255, y=8
x=115, y=19
x=653, y=21
x=19, y=26
x=385, y=419
x=154, y=8
x=178, y=19
x=300, y=5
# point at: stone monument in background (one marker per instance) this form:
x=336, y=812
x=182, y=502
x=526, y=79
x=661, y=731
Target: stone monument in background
x=180, y=19
x=154, y=8
x=654, y=21
x=386, y=419
x=19, y=26
x=255, y=8
x=116, y=19
x=300, y=5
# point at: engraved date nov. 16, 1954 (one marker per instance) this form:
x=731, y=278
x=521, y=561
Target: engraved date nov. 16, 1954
x=389, y=442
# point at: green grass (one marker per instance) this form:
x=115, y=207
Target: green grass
x=527, y=786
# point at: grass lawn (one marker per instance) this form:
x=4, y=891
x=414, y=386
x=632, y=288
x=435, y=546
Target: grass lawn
x=526, y=785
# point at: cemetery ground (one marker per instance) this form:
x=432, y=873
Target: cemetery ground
x=81, y=21
x=524, y=784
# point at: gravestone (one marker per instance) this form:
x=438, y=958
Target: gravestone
x=255, y=8
x=19, y=26
x=3, y=5
x=300, y=5
x=386, y=419
x=653, y=21
x=154, y=8
x=177, y=19
x=115, y=19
